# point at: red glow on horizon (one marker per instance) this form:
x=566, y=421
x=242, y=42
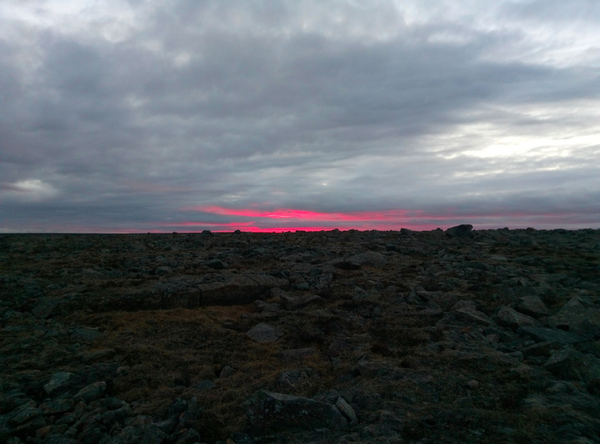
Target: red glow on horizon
x=390, y=215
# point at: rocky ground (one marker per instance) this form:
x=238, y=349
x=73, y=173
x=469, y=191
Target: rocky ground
x=400, y=337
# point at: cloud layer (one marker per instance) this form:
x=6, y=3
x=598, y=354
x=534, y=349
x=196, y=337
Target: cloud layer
x=181, y=116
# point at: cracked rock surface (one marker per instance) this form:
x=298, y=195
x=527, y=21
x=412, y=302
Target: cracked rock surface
x=342, y=336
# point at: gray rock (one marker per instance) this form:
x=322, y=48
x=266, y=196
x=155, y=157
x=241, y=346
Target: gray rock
x=55, y=406
x=58, y=381
x=206, y=385
x=151, y=434
x=61, y=440
x=467, y=316
x=291, y=380
x=85, y=334
x=216, y=264
x=271, y=412
x=369, y=258
x=464, y=231
x=578, y=316
x=96, y=355
x=190, y=436
x=227, y=372
x=347, y=410
x=346, y=265
x=24, y=413
x=540, y=349
x=44, y=308
x=532, y=305
x=163, y=270
x=544, y=334
x=297, y=354
x=239, y=289
x=509, y=317
x=91, y=392
x=291, y=303
x=264, y=333
x=571, y=364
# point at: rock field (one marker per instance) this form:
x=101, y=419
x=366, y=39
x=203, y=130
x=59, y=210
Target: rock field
x=462, y=335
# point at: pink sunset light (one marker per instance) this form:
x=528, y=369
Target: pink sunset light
x=256, y=220
x=287, y=219
x=393, y=215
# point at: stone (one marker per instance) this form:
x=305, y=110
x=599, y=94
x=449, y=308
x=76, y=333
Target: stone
x=85, y=334
x=206, y=385
x=44, y=308
x=24, y=413
x=541, y=349
x=347, y=410
x=532, y=305
x=291, y=303
x=226, y=372
x=216, y=264
x=58, y=381
x=473, y=384
x=151, y=434
x=264, y=333
x=462, y=231
x=96, y=355
x=467, y=316
x=163, y=270
x=578, y=316
x=291, y=380
x=91, y=392
x=347, y=265
x=544, y=334
x=509, y=317
x=270, y=412
x=239, y=289
x=369, y=258
x=572, y=365
x=54, y=406
x=190, y=436
x=297, y=354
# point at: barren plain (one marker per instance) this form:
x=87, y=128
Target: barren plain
x=461, y=335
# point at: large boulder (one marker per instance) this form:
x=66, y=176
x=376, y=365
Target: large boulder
x=464, y=231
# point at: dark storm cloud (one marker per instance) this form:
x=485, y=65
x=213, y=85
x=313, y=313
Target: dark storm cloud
x=122, y=115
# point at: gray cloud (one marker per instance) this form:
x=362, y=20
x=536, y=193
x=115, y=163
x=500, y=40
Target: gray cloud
x=123, y=117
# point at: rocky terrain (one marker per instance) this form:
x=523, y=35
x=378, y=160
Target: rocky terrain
x=323, y=337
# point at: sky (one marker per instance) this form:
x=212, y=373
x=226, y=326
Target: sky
x=122, y=116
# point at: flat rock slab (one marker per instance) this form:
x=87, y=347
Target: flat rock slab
x=370, y=258
x=271, y=412
x=544, y=334
x=239, y=289
x=264, y=333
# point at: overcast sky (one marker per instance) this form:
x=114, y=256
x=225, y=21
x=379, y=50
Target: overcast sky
x=161, y=115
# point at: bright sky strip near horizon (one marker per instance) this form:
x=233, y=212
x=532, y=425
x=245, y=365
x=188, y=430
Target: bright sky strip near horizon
x=156, y=115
